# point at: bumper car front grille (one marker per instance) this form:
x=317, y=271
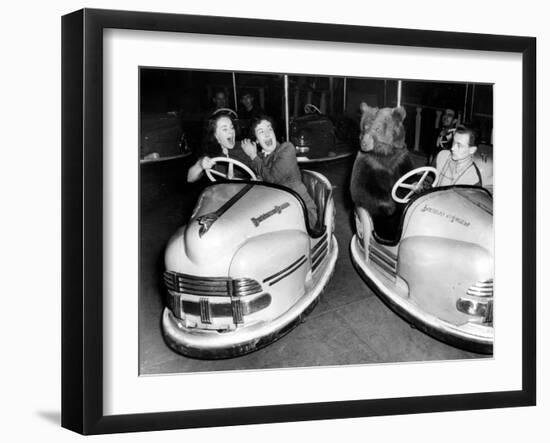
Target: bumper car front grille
x=478, y=301
x=213, y=298
x=210, y=286
x=209, y=312
x=481, y=289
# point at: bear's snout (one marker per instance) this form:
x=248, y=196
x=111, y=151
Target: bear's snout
x=367, y=142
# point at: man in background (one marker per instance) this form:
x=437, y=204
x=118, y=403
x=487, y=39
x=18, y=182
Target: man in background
x=219, y=100
x=248, y=112
x=444, y=134
x=250, y=109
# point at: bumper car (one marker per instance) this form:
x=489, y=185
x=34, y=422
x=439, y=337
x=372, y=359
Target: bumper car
x=318, y=138
x=437, y=273
x=247, y=267
x=162, y=138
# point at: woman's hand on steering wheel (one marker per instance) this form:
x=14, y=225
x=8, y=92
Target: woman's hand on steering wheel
x=207, y=163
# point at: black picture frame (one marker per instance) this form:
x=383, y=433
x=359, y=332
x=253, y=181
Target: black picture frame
x=82, y=218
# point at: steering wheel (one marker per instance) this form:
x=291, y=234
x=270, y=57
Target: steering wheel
x=414, y=187
x=310, y=109
x=211, y=172
x=228, y=110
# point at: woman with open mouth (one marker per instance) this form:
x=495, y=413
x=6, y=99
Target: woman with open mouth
x=221, y=141
x=276, y=163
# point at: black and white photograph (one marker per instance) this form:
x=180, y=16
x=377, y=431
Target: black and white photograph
x=330, y=318
x=295, y=221
x=282, y=217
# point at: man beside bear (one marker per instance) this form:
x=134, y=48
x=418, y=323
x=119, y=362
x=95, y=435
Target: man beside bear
x=456, y=166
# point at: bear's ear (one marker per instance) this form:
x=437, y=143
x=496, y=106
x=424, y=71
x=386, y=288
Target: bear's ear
x=364, y=108
x=367, y=115
x=399, y=113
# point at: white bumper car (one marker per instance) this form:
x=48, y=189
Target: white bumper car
x=246, y=268
x=438, y=272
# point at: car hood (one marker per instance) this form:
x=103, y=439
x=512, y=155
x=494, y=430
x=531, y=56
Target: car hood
x=225, y=217
x=456, y=213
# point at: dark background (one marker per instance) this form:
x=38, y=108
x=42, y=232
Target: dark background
x=189, y=93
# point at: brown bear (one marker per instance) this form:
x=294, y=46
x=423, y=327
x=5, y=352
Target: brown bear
x=382, y=160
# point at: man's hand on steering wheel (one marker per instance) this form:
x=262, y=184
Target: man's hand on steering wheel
x=426, y=185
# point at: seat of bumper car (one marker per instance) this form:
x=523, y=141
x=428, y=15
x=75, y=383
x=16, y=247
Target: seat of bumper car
x=319, y=192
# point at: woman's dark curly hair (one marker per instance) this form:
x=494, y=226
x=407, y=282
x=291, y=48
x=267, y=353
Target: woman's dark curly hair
x=256, y=121
x=210, y=131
